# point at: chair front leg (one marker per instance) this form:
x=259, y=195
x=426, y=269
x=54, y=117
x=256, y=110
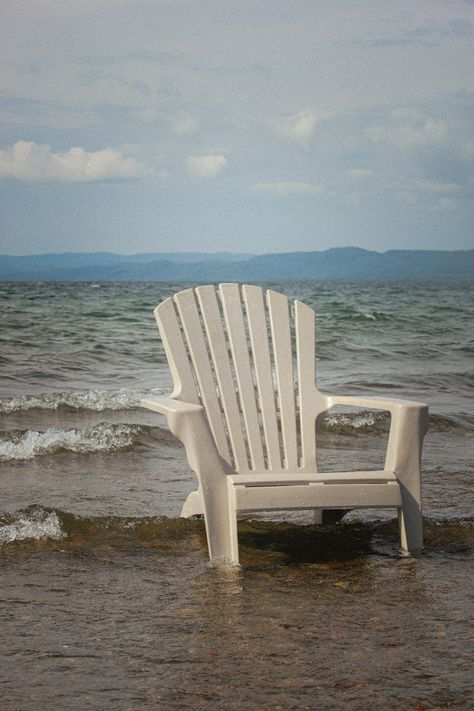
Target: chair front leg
x=408, y=427
x=216, y=490
x=220, y=518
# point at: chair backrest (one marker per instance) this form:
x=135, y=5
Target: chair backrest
x=249, y=359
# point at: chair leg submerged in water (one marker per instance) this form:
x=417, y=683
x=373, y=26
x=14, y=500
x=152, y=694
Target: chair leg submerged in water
x=249, y=429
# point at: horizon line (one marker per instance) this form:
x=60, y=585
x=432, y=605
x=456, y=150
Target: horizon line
x=248, y=254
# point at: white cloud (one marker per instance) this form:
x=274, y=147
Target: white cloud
x=286, y=189
x=359, y=173
x=208, y=166
x=357, y=197
x=299, y=127
x=468, y=151
x=28, y=161
x=406, y=197
x=47, y=116
x=185, y=126
x=409, y=129
x=444, y=204
x=145, y=115
x=432, y=186
x=432, y=33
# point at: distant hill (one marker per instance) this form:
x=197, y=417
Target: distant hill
x=339, y=264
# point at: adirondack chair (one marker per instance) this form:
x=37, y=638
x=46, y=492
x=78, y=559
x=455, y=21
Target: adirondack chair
x=245, y=405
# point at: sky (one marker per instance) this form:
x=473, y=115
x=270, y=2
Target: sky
x=236, y=125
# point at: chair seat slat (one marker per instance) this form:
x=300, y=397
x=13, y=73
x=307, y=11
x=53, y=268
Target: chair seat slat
x=345, y=496
x=297, y=477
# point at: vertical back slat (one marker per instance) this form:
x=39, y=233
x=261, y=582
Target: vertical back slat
x=281, y=339
x=192, y=328
x=232, y=308
x=175, y=349
x=306, y=364
x=255, y=308
x=217, y=343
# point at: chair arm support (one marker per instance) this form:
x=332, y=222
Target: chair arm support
x=188, y=422
x=408, y=426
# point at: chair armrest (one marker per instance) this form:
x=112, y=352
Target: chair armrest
x=376, y=403
x=169, y=406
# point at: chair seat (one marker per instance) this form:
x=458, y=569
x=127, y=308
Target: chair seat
x=338, y=490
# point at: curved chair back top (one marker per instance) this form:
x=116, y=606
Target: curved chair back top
x=248, y=358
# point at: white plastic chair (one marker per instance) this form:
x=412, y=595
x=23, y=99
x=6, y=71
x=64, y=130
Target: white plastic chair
x=245, y=405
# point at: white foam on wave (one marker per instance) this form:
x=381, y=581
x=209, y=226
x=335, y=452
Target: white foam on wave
x=104, y=437
x=31, y=525
x=95, y=400
x=357, y=421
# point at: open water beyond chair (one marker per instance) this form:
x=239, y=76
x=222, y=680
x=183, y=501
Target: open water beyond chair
x=245, y=405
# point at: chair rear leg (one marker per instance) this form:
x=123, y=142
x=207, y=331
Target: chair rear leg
x=411, y=527
x=333, y=515
x=317, y=517
x=193, y=505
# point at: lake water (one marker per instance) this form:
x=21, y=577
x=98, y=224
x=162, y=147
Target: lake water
x=106, y=598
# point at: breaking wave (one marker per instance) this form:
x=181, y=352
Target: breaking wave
x=355, y=422
x=34, y=523
x=37, y=523
x=93, y=400
x=378, y=422
x=104, y=437
x=178, y=536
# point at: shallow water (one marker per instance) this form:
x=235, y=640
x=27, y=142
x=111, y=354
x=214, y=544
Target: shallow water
x=106, y=599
